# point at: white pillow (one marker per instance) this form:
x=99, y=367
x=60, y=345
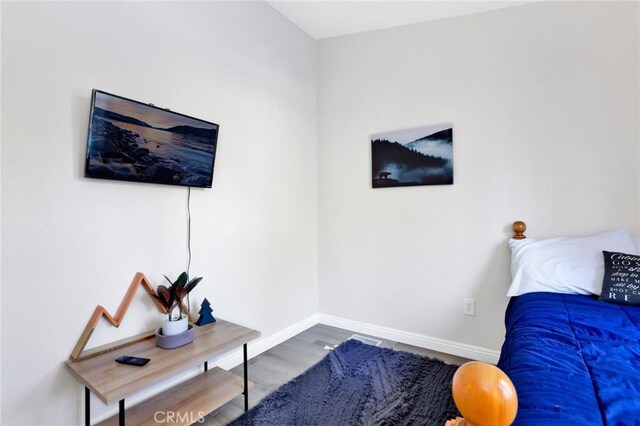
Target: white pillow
x=564, y=265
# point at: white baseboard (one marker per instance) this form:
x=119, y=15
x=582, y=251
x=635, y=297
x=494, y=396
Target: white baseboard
x=414, y=339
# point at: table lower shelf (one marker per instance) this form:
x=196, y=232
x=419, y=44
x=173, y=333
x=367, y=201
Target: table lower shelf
x=187, y=402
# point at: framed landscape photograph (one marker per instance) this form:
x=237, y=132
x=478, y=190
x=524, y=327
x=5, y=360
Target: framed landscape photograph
x=411, y=157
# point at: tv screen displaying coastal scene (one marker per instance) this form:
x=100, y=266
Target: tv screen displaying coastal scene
x=132, y=141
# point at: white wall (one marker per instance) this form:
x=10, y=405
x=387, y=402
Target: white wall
x=70, y=243
x=544, y=99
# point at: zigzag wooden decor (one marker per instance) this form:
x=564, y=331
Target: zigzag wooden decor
x=139, y=279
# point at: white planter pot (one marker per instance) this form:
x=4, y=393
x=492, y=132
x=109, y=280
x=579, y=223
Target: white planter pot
x=171, y=328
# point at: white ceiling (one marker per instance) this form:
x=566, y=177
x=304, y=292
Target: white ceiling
x=322, y=19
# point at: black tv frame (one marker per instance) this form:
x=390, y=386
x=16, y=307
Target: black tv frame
x=151, y=106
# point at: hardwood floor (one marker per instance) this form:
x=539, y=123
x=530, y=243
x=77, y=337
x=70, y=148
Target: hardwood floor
x=278, y=365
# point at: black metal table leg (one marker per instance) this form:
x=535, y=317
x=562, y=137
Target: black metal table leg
x=87, y=407
x=246, y=379
x=121, y=413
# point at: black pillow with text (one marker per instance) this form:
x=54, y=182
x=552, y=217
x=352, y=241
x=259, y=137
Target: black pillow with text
x=621, y=283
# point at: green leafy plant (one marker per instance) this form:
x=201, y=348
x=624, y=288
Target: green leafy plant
x=172, y=296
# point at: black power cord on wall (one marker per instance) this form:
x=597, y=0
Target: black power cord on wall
x=188, y=241
x=188, y=229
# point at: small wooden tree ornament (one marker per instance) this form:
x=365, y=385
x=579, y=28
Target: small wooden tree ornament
x=205, y=312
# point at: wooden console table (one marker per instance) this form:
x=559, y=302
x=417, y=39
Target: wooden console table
x=182, y=404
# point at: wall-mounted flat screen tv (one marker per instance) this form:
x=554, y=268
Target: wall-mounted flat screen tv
x=133, y=141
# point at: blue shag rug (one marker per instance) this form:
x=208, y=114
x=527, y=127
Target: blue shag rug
x=360, y=384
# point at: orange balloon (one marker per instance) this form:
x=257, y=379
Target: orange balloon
x=484, y=395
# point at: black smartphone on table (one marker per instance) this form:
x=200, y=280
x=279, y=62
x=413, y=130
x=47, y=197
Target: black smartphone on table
x=132, y=360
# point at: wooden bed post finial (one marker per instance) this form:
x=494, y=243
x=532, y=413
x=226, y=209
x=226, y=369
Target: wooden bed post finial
x=518, y=230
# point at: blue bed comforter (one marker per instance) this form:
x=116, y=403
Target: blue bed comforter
x=573, y=360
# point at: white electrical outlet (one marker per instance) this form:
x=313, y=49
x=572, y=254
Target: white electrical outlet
x=469, y=307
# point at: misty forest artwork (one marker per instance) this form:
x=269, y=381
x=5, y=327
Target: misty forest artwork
x=132, y=141
x=419, y=156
